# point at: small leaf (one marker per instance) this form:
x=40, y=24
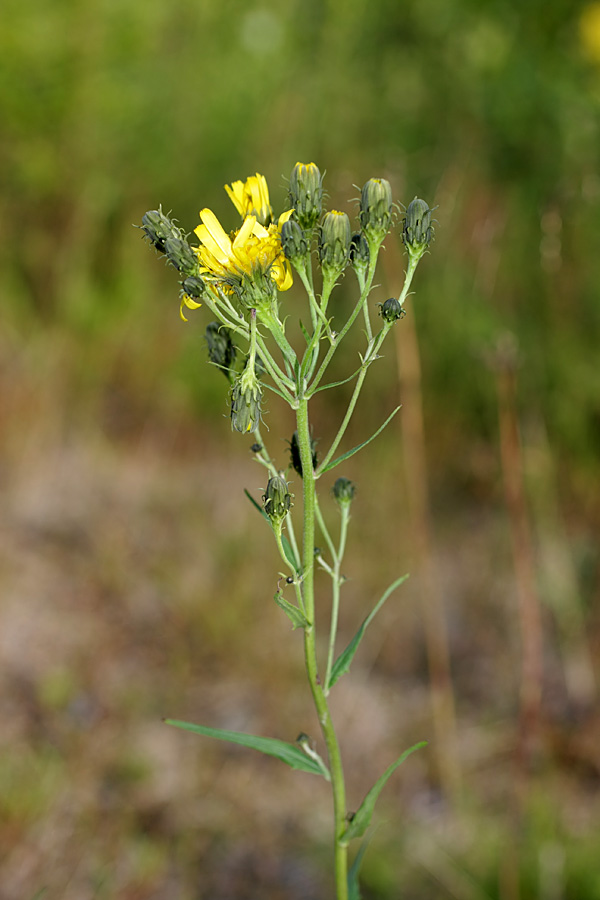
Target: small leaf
x=333, y=384
x=354, y=450
x=362, y=818
x=344, y=660
x=287, y=753
x=353, y=884
x=296, y=616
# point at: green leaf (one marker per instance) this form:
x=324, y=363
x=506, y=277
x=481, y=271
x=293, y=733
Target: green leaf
x=354, y=450
x=287, y=547
x=333, y=384
x=362, y=818
x=296, y=616
x=287, y=753
x=353, y=884
x=344, y=660
x=256, y=505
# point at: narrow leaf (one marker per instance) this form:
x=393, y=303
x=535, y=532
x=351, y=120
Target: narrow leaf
x=362, y=818
x=296, y=616
x=354, y=450
x=287, y=547
x=344, y=660
x=332, y=384
x=287, y=753
x=353, y=883
x=255, y=504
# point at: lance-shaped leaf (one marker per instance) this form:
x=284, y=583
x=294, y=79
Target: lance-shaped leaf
x=290, y=754
x=287, y=547
x=362, y=818
x=354, y=450
x=342, y=663
x=295, y=615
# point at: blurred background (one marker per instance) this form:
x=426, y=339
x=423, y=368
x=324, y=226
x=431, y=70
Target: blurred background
x=136, y=582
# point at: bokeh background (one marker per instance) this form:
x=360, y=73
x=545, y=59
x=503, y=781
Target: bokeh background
x=135, y=580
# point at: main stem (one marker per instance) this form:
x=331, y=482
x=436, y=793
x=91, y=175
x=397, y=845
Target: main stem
x=310, y=654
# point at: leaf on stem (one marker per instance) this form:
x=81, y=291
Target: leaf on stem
x=333, y=384
x=290, y=754
x=287, y=547
x=362, y=818
x=342, y=663
x=295, y=615
x=354, y=450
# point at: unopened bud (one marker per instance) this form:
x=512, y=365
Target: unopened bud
x=159, y=228
x=391, y=310
x=306, y=194
x=245, y=406
x=359, y=253
x=417, y=230
x=293, y=240
x=193, y=286
x=376, y=209
x=344, y=491
x=295, y=453
x=334, y=242
x=277, y=500
x=181, y=256
x=221, y=349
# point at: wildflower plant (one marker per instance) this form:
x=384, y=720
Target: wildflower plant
x=242, y=278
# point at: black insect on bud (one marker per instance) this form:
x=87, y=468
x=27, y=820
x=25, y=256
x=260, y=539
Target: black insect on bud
x=158, y=228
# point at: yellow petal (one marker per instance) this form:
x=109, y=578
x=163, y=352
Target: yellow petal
x=236, y=195
x=216, y=232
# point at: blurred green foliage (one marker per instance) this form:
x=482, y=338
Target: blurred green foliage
x=107, y=109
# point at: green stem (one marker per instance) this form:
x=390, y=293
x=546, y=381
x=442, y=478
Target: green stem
x=337, y=583
x=310, y=656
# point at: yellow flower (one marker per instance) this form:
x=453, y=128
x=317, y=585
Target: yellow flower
x=252, y=250
x=251, y=198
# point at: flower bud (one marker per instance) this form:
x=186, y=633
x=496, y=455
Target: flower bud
x=417, y=230
x=295, y=453
x=359, y=253
x=277, y=500
x=306, y=194
x=193, y=286
x=245, y=406
x=159, y=228
x=293, y=239
x=344, y=491
x=181, y=256
x=376, y=209
x=334, y=242
x=221, y=349
x=391, y=310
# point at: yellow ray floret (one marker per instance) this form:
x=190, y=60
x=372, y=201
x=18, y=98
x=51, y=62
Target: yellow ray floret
x=253, y=249
x=251, y=198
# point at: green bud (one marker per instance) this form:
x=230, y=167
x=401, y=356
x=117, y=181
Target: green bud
x=181, y=256
x=245, y=406
x=334, y=241
x=344, y=490
x=277, y=500
x=306, y=194
x=159, y=228
x=293, y=239
x=376, y=209
x=221, y=349
x=295, y=453
x=417, y=230
x=359, y=253
x=391, y=310
x=193, y=286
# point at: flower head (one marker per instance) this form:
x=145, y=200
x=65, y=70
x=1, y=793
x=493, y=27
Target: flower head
x=250, y=253
x=251, y=198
